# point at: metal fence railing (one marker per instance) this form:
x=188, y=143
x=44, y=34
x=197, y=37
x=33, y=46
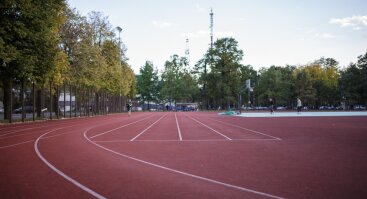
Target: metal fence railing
x=25, y=102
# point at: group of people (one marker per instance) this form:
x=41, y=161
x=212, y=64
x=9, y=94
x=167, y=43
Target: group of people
x=299, y=105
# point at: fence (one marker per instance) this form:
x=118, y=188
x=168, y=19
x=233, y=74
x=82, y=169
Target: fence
x=23, y=101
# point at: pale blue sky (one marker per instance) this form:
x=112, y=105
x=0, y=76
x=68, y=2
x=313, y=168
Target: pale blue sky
x=269, y=32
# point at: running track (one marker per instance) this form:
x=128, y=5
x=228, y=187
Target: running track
x=185, y=155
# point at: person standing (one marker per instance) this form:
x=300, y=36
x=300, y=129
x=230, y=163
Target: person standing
x=299, y=105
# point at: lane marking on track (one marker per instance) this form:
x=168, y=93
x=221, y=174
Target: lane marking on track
x=17, y=144
x=46, y=125
x=178, y=128
x=210, y=140
x=46, y=137
x=13, y=136
x=43, y=125
x=2, y=136
x=120, y=127
x=20, y=130
x=76, y=183
x=148, y=128
x=182, y=172
x=209, y=127
x=229, y=124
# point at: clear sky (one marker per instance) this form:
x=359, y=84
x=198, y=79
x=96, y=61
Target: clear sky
x=269, y=32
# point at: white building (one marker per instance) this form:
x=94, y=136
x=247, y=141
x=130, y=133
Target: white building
x=67, y=102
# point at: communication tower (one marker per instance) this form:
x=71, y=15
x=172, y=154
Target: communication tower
x=187, y=51
x=211, y=27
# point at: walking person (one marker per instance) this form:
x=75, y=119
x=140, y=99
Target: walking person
x=271, y=102
x=128, y=107
x=299, y=105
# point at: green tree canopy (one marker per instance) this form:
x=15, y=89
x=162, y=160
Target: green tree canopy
x=224, y=78
x=148, y=85
x=172, y=84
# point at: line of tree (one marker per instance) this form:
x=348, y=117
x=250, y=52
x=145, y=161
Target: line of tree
x=174, y=84
x=217, y=78
x=48, y=45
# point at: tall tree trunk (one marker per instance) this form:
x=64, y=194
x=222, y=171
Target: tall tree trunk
x=33, y=101
x=81, y=102
x=8, y=99
x=40, y=101
x=22, y=98
x=64, y=115
x=96, y=103
x=55, y=100
x=88, y=102
x=50, y=100
x=76, y=102
x=71, y=102
x=121, y=105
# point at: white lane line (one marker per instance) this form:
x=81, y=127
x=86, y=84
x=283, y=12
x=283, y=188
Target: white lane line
x=247, y=129
x=43, y=125
x=184, y=173
x=2, y=136
x=46, y=137
x=21, y=130
x=210, y=140
x=76, y=183
x=120, y=127
x=20, y=143
x=178, y=128
x=147, y=128
x=209, y=127
x=18, y=135
x=25, y=142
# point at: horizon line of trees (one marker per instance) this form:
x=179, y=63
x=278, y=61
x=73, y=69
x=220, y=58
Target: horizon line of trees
x=217, y=80
x=47, y=45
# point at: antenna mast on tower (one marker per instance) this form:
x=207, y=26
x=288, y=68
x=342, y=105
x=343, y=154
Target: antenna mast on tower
x=211, y=27
x=187, y=51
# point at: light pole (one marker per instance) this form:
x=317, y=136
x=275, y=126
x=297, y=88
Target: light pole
x=120, y=29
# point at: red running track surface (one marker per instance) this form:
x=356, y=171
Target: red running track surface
x=185, y=155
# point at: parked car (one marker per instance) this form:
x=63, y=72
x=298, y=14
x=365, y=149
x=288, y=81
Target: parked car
x=326, y=108
x=339, y=108
x=28, y=109
x=359, y=107
x=261, y=108
x=281, y=107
